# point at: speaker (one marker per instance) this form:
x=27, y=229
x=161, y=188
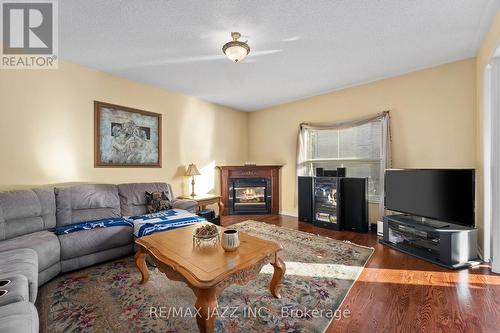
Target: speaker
x=329, y=173
x=354, y=208
x=341, y=172
x=319, y=172
x=305, y=199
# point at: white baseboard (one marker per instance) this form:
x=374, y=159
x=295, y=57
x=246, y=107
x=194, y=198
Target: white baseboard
x=495, y=267
x=292, y=214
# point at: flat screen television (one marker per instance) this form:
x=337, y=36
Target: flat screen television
x=439, y=194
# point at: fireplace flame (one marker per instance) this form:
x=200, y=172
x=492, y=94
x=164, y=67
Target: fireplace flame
x=249, y=192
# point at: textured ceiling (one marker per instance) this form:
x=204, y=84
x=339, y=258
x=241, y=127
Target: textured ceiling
x=299, y=48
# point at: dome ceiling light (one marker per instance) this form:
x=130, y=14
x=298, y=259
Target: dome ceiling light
x=235, y=49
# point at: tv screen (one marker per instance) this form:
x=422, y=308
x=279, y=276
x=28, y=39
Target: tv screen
x=440, y=194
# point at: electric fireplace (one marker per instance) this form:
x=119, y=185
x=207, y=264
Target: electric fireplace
x=250, y=189
x=249, y=196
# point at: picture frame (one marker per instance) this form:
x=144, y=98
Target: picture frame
x=125, y=137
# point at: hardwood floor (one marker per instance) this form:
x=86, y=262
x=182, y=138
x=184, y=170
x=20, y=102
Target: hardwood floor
x=397, y=292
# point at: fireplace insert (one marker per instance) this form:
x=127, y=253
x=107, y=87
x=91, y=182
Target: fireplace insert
x=250, y=196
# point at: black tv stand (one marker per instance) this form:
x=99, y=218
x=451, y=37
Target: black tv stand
x=446, y=244
x=429, y=222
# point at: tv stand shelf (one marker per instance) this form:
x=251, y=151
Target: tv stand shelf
x=446, y=244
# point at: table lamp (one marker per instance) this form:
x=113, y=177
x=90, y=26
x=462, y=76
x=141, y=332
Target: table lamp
x=192, y=171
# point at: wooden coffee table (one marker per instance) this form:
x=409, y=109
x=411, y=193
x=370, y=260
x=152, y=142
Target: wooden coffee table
x=208, y=270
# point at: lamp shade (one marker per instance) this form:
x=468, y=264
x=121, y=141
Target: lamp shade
x=236, y=53
x=192, y=170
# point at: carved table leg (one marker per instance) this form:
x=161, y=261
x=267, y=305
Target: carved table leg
x=206, y=302
x=140, y=262
x=279, y=272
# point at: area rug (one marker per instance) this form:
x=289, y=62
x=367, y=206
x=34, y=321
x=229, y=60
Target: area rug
x=108, y=298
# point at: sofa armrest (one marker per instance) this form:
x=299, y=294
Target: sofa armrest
x=186, y=204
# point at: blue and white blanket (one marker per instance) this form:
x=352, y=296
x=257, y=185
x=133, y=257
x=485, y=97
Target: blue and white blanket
x=88, y=225
x=148, y=224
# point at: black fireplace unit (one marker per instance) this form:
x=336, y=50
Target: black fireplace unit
x=250, y=196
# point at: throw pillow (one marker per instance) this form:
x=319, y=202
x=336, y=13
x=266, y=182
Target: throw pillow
x=157, y=201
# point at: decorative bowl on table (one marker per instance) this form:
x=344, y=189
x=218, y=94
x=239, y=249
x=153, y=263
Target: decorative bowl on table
x=206, y=235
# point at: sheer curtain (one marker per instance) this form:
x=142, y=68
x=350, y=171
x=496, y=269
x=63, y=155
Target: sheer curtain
x=305, y=166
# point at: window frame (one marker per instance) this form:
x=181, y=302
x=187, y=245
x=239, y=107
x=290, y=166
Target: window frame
x=344, y=162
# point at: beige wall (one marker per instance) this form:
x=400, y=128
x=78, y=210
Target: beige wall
x=432, y=119
x=488, y=47
x=47, y=134
x=46, y=122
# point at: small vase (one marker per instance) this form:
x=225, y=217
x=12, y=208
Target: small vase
x=230, y=240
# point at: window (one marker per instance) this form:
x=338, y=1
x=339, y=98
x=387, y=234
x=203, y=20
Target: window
x=357, y=148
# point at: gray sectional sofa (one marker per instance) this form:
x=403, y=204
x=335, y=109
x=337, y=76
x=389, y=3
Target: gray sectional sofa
x=30, y=249
x=25, y=217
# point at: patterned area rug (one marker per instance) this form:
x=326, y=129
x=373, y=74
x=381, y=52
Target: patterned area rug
x=108, y=298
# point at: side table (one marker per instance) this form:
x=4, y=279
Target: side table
x=207, y=199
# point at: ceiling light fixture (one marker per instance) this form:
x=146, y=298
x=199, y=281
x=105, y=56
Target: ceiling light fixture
x=235, y=49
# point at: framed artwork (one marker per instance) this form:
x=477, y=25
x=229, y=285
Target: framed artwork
x=126, y=137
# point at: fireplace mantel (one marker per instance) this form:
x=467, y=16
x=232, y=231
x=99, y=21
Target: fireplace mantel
x=251, y=171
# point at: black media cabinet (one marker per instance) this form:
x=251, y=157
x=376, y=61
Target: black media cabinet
x=338, y=203
x=446, y=244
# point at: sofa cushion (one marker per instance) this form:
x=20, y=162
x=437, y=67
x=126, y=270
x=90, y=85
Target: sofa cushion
x=95, y=258
x=21, y=262
x=85, y=242
x=86, y=202
x=133, y=198
x=185, y=204
x=45, y=243
x=20, y=317
x=27, y=211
